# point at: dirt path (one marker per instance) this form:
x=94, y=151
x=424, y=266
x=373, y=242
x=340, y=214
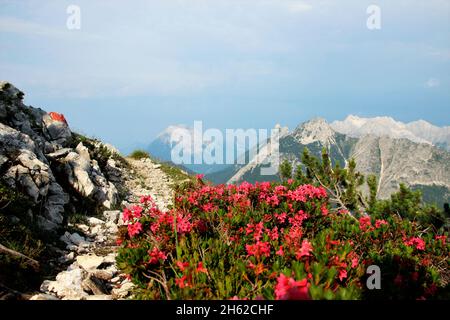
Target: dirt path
x=91, y=273
x=149, y=179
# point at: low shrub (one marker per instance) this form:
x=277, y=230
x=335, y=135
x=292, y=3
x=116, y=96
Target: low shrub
x=139, y=154
x=275, y=241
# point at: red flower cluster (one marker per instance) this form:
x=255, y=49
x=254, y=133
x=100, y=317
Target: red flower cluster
x=305, y=250
x=442, y=239
x=134, y=229
x=380, y=223
x=182, y=282
x=156, y=255
x=260, y=249
x=289, y=289
x=223, y=241
x=416, y=242
x=365, y=224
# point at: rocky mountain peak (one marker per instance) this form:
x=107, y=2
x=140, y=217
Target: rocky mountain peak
x=315, y=130
x=165, y=135
x=51, y=166
x=419, y=131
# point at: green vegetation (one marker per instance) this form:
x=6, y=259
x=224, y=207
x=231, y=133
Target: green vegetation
x=98, y=150
x=76, y=218
x=343, y=186
x=286, y=170
x=22, y=237
x=276, y=241
x=139, y=154
x=175, y=174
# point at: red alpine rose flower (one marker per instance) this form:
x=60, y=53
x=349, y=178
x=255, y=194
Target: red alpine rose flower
x=289, y=289
x=305, y=250
x=201, y=268
x=156, y=255
x=416, y=242
x=134, y=229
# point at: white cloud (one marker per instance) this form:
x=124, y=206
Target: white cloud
x=290, y=6
x=298, y=6
x=14, y=25
x=19, y=26
x=432, y=82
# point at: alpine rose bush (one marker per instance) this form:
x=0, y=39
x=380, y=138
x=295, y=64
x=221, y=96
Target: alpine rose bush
x=274, y=241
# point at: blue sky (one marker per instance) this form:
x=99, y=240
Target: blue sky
x=136, y=67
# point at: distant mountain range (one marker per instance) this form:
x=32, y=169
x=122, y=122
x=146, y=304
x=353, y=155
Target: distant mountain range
x=161, y=148
x=417, y=131
x=415, y=153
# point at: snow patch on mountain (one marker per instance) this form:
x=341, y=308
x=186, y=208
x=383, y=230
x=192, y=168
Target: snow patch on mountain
x=418, y=131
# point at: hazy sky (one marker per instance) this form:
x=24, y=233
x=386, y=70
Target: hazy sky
x=136, y=67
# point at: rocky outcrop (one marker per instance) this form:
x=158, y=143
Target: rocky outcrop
x=41, y=158
x=91, y=273
x=58, y=172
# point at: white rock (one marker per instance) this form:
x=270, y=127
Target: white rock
x=124, y=290
x=121, y=222
x=112, y=227
x=89, y=262
x=68, y=285
x=111, y=216
x=96, y=229
x=70, y=256
x=83, y=227
x=100, y=239
x=94, y=221
x=73, y=266
x=99, y=297
x=110, y=258
x=112, y=269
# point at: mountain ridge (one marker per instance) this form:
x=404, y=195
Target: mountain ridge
x=419, y=131
x=386, y=157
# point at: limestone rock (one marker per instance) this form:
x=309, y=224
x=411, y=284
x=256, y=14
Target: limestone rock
x=77, y=170
x=56, y=130
x=89, y=262
x=102, y=274
x=68, y=285
x=123, y=290
x=112, y=216
x=94, y=285
x=95, y=221
x=99, y=297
